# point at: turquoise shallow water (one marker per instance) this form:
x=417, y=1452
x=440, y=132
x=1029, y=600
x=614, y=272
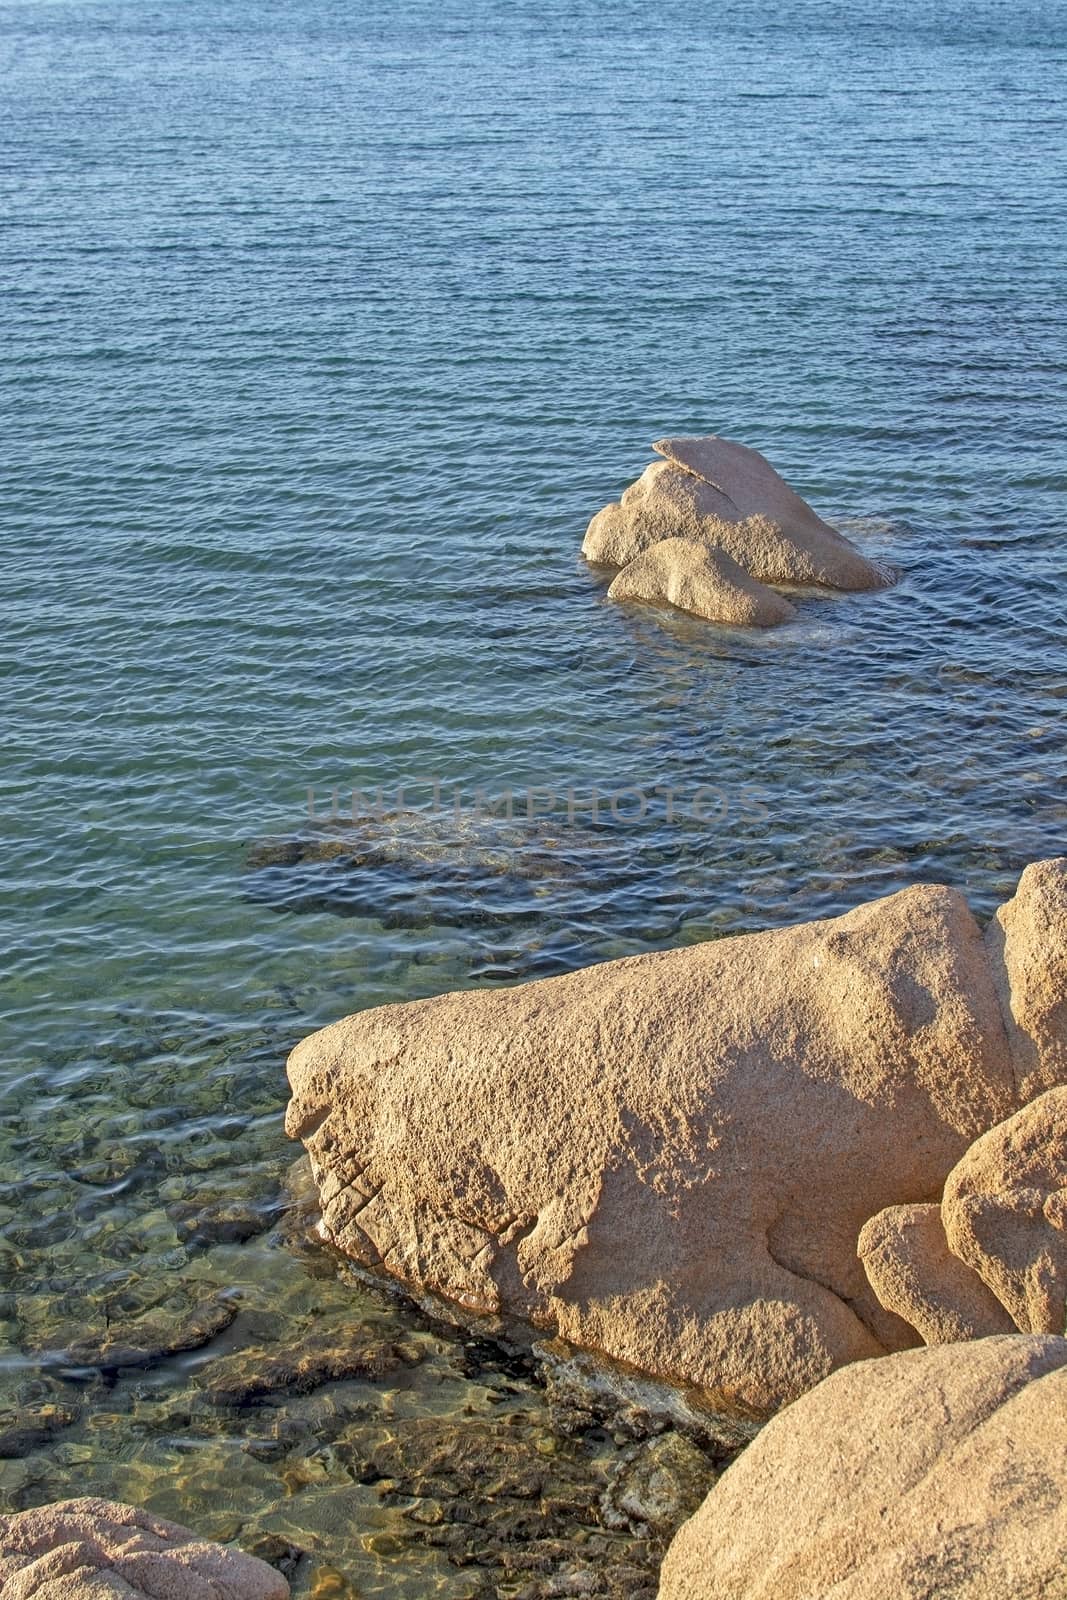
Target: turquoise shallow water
x=326, y=329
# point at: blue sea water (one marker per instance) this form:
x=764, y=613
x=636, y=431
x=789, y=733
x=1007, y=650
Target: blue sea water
x=326, y=328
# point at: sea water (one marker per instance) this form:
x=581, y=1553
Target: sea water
x=326, y=329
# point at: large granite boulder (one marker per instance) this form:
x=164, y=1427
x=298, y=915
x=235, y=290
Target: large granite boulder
x=995, y=1252
x=98, y=1550
x=744, y=510
x=914, y=1273
x=933, y=1473
x=706, y=582
x=669, y=1158
x=1005, y=1213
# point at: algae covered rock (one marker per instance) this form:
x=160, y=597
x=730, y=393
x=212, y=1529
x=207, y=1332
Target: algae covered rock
x=669, y=1158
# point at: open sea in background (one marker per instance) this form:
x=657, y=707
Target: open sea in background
x=326, y=328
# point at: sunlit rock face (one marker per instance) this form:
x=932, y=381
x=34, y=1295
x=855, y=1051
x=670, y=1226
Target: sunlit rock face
x=669, y=1158
x=728, y=497
x=708, y=583
x=932, y=1472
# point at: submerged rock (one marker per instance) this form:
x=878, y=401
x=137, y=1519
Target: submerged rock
x=746, y=511
x=691, y=576
x=96, y=1549
x=249, y=1377
x=508, y=1499
x=664, y=1482
x=200, y=1226
x=459, y=866
x=27, y=1428
x=669, y=1158
x=153, y=1338
x=933, y=1472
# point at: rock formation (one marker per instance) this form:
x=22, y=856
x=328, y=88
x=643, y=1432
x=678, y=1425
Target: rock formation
x=932, y=1473
x=1005, y=1213
x=669, y=1158
x=729, y=498
x=709, y=583
x=913, y=1272
x=98, y=1550
x=995, y=1254
x=1027, y=942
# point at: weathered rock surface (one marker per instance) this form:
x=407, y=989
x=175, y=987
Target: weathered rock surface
x=98, y=1550
x=768, y=530
x=709, y=583
x=747, y=479
x=1027, y=941
x=1005, y=1212
x=938, y=1472
x=913, y=1272
x=669, y=1158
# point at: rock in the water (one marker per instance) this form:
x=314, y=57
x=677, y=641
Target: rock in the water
x=913, y=1272
x=201, y=1225
x=27, y=1428
x=939, y=1472
x=153, y=1338
x=1005, y=1213
x=670, y=501
x=664, y=1482
x=98, y=1550
x=748, y=481
x=331, y=1356
x=669, y=1158
x=706, y=582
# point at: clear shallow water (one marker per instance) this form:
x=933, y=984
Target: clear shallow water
x=326, y=330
